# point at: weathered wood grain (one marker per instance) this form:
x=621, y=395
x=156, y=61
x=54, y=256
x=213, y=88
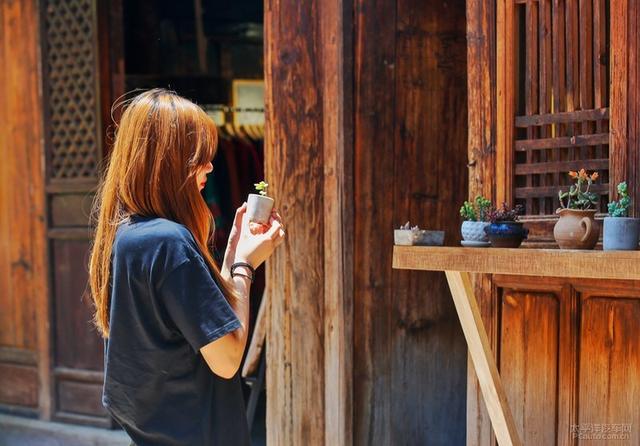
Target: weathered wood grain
x=336, y=55
x=529, y=361
x=609, y=362
x=481, y=81
x=505, y=85
x=295, y=274
x=527, y=262
x=483, y=359
x=619, y=93
x=24, y=320
x=374, y=95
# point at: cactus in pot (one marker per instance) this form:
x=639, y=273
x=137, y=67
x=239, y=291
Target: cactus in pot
x=476, y=217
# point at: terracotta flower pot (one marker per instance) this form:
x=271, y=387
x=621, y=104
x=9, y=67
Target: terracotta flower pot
x=259, y=208
x=576, y=229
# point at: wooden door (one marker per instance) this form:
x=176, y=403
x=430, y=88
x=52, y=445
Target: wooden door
x=77, y=67
x=23, y=276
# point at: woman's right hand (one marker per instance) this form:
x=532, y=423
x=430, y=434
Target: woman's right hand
x=255, y=247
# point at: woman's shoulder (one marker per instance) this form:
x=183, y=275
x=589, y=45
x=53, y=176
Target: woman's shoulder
x=155, y=236
x=153, y=229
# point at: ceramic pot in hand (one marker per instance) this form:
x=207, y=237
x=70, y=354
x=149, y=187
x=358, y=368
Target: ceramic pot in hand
x=259, y=208
x=576, y=229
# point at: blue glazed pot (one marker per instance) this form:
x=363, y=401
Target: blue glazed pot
x=506, y=234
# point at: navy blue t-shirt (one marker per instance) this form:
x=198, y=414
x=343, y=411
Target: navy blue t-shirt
x=165, y=306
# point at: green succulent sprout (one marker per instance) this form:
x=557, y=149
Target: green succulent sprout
x=620, y=208
x=262, y=188
x=478, y=210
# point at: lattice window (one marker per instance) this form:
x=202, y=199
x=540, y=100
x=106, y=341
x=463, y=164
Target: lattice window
x=71, y=70
x=560, y=98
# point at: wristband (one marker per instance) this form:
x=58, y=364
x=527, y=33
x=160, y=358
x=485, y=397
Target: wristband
x=243, y=275
x=240, y=264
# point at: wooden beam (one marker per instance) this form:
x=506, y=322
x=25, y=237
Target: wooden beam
x=521, y=261
x=562, y=117
x=562, y=142
x=483, y=359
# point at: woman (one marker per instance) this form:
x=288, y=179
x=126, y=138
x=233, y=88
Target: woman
x=175, y=324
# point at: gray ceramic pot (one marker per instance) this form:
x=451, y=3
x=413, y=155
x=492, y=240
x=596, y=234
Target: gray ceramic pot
x=259, y=208
x=621, y=233
x=473, y=231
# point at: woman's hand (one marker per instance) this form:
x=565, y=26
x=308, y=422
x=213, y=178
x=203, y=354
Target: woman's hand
x=234, y=237
x=257, y=243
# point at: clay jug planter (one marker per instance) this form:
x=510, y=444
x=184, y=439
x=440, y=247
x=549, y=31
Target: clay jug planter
x=576, y=229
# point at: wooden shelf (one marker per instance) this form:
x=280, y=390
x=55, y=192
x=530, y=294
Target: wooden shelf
x=527, y=262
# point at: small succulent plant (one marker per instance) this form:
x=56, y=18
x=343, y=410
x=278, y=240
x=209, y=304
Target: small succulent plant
x=620, y=208
x=578, y=196
x=261, y=187
x=476, y=210
x=408, y=226
x=505, y=213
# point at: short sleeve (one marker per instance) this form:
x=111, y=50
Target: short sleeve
x=196, y=305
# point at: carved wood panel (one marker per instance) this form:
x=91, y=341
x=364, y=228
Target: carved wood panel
x=569, y=356
x=73, y=125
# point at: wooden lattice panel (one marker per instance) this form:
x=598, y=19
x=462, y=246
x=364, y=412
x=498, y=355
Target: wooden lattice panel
x=561, y=98
x=71, y=70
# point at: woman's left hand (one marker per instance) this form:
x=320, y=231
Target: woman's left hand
x=232, y=244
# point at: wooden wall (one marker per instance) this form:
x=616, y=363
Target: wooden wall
x=23, y=274
x=410, y=161
x=366, y=106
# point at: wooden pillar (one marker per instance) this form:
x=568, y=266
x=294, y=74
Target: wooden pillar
x=308, y=151
x=481, y=81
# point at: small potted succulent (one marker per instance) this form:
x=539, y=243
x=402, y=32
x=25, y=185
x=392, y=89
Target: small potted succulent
x=476, y=215
x=620, y=231
x=408, y=236
x=577, y=228
x=505, y=231
x=259, y=205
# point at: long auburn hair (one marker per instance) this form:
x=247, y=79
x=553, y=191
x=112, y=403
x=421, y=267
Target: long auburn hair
x=160, y=143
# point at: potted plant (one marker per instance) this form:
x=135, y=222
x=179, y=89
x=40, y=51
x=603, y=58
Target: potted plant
x=620, y=231
x=577, y=228
x=259, y=205
x=475, y=214
x=408, y=236
x=505, y=231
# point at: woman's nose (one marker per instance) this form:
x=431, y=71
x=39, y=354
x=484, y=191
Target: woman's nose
x=209, y=167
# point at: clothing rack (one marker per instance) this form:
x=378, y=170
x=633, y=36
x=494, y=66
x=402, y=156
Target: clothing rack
x=230, y=109
x=227, y=127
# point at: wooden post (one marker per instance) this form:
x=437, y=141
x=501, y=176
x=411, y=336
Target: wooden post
x=310, y=278
x=337, y=122
x=482, y=357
